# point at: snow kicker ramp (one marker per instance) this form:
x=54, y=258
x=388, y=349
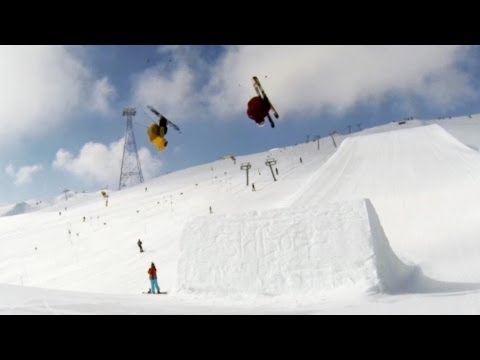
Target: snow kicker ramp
x=425, y=186
x=292, y=251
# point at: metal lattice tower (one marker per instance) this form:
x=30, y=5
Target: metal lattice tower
x=131, y=171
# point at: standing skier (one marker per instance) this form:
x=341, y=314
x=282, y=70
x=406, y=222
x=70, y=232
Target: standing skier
x=139, y=243
x=152, y=275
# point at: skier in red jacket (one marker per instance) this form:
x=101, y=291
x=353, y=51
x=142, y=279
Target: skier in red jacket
x=152, y=275
x=257, y=110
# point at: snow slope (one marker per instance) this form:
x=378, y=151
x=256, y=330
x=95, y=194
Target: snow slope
x=390, y=212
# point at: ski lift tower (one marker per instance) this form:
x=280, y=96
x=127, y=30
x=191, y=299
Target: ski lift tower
x=131, y=171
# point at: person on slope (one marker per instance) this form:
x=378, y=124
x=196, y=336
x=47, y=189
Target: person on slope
x=152, y=275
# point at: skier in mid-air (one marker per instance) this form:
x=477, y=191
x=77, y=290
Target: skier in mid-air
x=257, y=110
x=258, y=107
x=157, y=132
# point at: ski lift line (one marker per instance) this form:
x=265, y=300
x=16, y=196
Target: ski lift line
x=145, y=126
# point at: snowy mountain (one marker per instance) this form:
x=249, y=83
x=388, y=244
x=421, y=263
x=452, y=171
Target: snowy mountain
x=20, y=208
x=392, y=211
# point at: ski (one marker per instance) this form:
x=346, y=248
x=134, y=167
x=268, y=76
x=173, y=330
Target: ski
x=272, y=124
x=259, y=89
x=169, y=123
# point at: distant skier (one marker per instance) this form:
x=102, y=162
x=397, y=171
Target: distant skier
x=139, y=243
x=152, y=275
x=253, y=187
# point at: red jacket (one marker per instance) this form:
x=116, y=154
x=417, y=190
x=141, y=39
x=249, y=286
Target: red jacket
x=153, y=273
x=257, y=109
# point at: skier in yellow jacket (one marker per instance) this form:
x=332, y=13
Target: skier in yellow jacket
x=157, y=132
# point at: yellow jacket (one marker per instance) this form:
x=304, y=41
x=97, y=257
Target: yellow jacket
x=157, y=136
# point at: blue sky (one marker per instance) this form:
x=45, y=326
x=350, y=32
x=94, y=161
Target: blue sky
x=61, y=106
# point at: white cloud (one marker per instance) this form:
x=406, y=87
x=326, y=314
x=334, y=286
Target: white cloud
x=62, y=158
x=10, y=170
x=100, y=164
x=24, y=174
x=173, y=96
x=175, y=85
x=102, y=96
x=41, y=86
x=316, y=78
x=305, y=79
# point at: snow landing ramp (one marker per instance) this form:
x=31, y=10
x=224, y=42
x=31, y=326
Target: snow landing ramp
x=291, y=251
x=425, y=187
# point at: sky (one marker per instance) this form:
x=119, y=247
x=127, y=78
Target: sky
x=61, y=115
x=387, y=222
